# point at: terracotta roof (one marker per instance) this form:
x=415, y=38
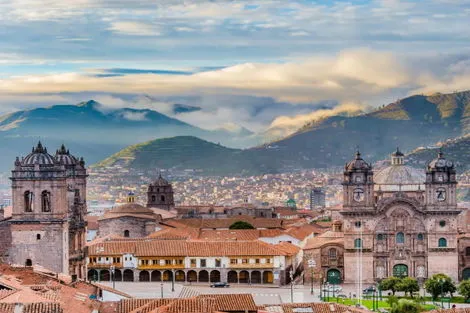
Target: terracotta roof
x=287, y=248
x=232, y=302
x=302, y=232
x=32, y=308
x=213, y=223
x=128, y=305
x=104, y=287
x=129, y=209
x=174, y=233
x=191, y=305
x=316, y=307
x=152, y=305
x=184, y=248
x=92, y=222
x=329, y=237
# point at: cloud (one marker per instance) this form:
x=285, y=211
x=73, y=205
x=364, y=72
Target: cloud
x=134, y=28
x=285, y=125
x=135, y=116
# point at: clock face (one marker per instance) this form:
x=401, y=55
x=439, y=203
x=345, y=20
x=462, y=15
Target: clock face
x=440, y=178
x=441, y=194
x=449, y=163
x=358, y=195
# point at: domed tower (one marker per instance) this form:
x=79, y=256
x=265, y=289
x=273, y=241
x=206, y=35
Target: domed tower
x=441, y=184
x=160, y=194
x=44, y=222
x=358, y=183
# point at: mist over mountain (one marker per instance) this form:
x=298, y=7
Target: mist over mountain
x=408, y=123
x=94, y=133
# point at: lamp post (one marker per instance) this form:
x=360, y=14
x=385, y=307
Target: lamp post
x=173, y=281
x=113, y=269
x=161, y=290
x=441, y=282
x=291, y=273
x=311, y=264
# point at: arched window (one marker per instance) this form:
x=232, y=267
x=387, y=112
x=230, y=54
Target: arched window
x=126, y=233
x=38, y=237
x=358, y=224
x=442, y=243
x=154, y=198
x=162, y=198
x=420, y=237
x=357, y=243
x=28, y=262
x=45, y=201
x=400, y=238
x=28, y=201
x=380, y=237
x=332, y=253
x=467, y=251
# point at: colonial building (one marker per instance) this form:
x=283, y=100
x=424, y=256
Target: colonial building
x=253, y=262
x=160, y=194
x=398, y=222
x=47, y=225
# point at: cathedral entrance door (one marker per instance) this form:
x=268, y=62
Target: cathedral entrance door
x=400, y=270
x=334, y=277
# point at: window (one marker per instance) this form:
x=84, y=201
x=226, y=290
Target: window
x=244, y=261
x=268, y=261
x=357, y=243
x=28, y=201
x=442, y=243
x=126, y=233
x=467, y=251
x=358, y=224
x=45, y=201
x=380, y=237
x=38, y=237
x=28, y=262
x=420, y=237
x=218, y=262
x=179, y=262
x=332, y=253
x=233, y=261
x=193, y=262
x=257, y=261
x=442, y=223
x=167, y=262
x=156, y=262
x=202, y=262
x=400, y=238
x=154, y=199
x=162, y=198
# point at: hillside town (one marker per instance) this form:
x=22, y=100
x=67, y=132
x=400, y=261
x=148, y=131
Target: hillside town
x=398, y=221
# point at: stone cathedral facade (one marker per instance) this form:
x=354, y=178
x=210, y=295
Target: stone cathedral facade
x=400, y=221
x=47, y=226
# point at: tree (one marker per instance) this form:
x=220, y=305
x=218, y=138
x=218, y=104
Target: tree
x=405, y=306
x=464, y=289
x=241, y=225
x=390, y=283
x=408, y=284
x=439, y=284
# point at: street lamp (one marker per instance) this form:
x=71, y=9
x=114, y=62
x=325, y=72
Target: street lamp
x=173, y=281
x=441, y=282
x=311, y=264
x=113, y=269
x=161, y=290
x=291, y=273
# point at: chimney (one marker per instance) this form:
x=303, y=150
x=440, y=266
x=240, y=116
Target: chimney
x=19, y=307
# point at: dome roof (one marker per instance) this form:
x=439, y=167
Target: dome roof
x=133, y=208
x=160, y=181
x=63, y=156
x=358, y=164
x=399, y=175
x=440, y=163
x=39, y=156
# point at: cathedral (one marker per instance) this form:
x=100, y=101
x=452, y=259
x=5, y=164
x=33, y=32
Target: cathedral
x=47, y=226
x=399, y=222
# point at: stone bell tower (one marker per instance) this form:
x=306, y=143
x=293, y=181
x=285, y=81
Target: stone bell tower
x=160, y=194
x=358, y=183
x=47, y=224
x=441, y=184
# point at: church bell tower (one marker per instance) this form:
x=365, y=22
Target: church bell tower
x=441, y=184
x=358, y=184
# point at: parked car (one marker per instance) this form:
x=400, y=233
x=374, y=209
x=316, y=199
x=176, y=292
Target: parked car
x=369, y=289
x=342, y=295
x=332, y=288
x=220, y=285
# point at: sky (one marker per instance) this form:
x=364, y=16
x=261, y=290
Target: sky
x=267, y=65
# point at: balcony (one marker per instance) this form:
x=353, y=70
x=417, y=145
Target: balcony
x=160, y=267
x=250, y=265
x=104, y=266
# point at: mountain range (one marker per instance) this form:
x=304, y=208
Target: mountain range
x=93, y=131
x=97, y=134
x=408, y=123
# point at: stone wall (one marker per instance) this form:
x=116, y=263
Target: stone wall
x=5, y=239
x=46, y=250
x=137, y=227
